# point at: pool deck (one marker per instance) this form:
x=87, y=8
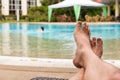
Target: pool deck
x=8, y=72
x=24, y=68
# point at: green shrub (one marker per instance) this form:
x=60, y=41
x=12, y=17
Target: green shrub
x=10, y=17
x=24, y=17
x=37, y=14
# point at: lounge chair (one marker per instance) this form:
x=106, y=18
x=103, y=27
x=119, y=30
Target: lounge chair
x=47, y=78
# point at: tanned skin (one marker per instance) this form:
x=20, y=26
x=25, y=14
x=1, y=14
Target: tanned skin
x=87, y=57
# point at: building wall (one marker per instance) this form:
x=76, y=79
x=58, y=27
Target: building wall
x=38, y=3
x=24, y=6
x=5, y=7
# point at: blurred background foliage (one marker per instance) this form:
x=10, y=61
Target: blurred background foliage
x=40, y=14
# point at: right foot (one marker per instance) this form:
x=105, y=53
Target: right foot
x=82, y=39
x=81, y=36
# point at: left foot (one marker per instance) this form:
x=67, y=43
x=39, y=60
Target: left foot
x=97, y=46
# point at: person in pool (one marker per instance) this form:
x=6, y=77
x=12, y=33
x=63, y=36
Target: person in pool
x=87, y=57
x=41, y=29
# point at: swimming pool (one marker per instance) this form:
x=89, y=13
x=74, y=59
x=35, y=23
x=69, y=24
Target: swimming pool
x=56, y=41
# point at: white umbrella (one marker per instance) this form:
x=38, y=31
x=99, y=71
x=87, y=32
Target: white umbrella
x=77, y=4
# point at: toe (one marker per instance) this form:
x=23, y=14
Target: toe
x=78, y=26
x=86, y=29
x=89, y=32
x=94, y=41
x=100, y=47
x=99, y=42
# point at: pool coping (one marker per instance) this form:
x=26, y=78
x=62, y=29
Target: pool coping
x=43, y=62
x=64, y=23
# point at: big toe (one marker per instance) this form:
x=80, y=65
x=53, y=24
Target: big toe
x=78, y=26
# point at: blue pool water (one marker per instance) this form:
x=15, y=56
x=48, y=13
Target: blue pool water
x=63, y=32
x=56, y=41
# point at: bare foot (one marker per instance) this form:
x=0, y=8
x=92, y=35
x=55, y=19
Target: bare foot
x=82, y=39
x=96, y=44
x=97, y=47
x=92, y=65
x=82, y=35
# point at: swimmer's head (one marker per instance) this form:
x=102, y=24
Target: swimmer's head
x=42, y=28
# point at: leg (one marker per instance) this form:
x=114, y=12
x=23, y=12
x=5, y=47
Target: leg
x=96, y=44
x=97, y=47
x=85, y=57
x=79, y=75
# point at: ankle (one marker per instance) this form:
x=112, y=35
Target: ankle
x=86, y=56
x=89, y=57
